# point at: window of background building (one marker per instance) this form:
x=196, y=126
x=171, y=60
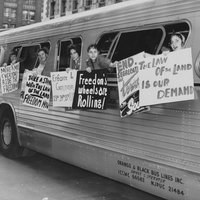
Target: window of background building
x=63, y=7
x=88, y=4
x=29, y=2
x=32, y=15
x=25, y=14
x=74, y=6
x=52, y=9
x=102, y=3
x=12, y=25
x=11, y=1
x=5, y=25
x=118, y=1
x=10, y=13
x=28, y=15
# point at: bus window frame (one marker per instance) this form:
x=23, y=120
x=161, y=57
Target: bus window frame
x=179, y=22
x=111, y=46
x=59, y=52
x=65, y=39
x=30, y=45
x=141, y=29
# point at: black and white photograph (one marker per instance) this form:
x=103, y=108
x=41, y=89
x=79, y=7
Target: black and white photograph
x=99, y=99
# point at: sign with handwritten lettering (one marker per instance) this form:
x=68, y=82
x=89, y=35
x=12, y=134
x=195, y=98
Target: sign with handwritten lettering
x=128, y=85
x=37, y=91
x=166, y=78
x=91, y=90
x=9, y=77
x=63, y=88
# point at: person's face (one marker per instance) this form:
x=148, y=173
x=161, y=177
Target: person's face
x=93, y=53
x=13, y=58
x=74, y=54
x=42, y=56
x=176, y=43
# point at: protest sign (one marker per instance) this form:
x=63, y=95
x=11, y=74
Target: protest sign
x=128, y=85
x=9, y=77
x=37, y=91
x=166, y=78
x=91, y=90
x=63, y=88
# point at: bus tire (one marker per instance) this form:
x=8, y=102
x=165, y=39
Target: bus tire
x=9, y=144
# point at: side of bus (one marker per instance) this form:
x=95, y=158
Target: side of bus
x=156, y=151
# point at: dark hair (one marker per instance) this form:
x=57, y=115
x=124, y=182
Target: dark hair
x=46, y=50
x=72, y=46
x=92, y=46
x=13, y=54
x=179, y=35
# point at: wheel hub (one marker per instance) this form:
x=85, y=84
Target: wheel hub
x=6, y=133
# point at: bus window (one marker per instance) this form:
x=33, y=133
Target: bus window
x=16, y=51
x=28, y=57
x=45, y=45
x=181, y=27
x=64, y=53
x=132, y=43
x=105, y=42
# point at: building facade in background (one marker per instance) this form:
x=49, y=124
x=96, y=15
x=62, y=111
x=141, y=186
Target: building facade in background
x=57, y=8
x=15, y=13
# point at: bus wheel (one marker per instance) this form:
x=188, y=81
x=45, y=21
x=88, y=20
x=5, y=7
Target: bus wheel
x=9, y=144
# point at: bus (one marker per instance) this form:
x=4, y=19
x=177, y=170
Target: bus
x=156, y=151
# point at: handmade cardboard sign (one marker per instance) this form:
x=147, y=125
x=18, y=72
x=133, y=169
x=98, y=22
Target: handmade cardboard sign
x=166, y=78
x=37, y=91
x=128, y=85
x=91, y=90
x=63, y=88
x=9, y=77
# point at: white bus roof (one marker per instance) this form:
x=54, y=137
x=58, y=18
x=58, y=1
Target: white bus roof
x=84, y=14
x=129, y=10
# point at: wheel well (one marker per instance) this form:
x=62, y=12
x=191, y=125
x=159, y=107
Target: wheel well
x=6, y=107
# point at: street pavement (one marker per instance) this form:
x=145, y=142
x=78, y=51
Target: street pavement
x=42, y=178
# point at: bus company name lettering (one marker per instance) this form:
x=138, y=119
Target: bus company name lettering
x=152, y=177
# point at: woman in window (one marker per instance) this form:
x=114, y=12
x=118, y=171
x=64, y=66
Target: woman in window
x=42, y=56
x=75, y=57
x=177, y=41
x=12, y=59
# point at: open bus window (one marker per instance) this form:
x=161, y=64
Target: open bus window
x=45, y=45
x=28, y=57
x=127, y=44
x=65, y=60
x=106, y=42
x=131, y=43
x=15, y=51
x=181, y=27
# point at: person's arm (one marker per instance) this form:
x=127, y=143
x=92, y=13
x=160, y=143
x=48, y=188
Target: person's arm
x=2, y=53
x=89, y=66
